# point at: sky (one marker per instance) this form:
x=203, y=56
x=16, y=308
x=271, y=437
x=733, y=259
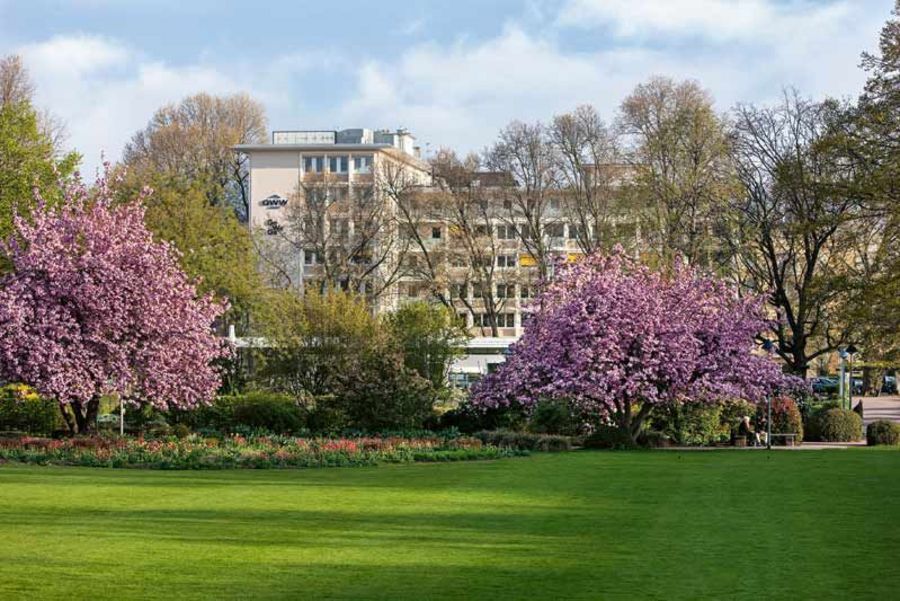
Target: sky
x=454, y=73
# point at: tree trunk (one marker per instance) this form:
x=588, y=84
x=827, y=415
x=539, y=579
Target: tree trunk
x=86, y=415
x=67, y=417
x=630, y=423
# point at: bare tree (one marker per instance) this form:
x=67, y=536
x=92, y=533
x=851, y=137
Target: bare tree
x=529, y=194
x=194, y=140
x=15, y=84
x=797, y=228
x=346, y=235
x=592, y=177
x=679, y=154
x=419, y=213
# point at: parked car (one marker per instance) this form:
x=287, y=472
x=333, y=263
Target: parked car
x=824, y=385
x=890, y=385
x=857, y=384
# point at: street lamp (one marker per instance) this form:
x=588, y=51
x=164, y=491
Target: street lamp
x=769, y=347
x=850, y=351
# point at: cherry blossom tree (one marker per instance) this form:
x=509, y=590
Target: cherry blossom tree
x=619, y=339
x=95, y=306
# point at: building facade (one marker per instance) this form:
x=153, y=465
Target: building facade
x=360, y=208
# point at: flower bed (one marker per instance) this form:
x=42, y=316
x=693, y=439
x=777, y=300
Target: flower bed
x=194, y=452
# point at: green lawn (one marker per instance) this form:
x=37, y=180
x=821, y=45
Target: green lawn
x=583, y=525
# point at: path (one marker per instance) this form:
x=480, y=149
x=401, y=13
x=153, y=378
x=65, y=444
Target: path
x=883, y=407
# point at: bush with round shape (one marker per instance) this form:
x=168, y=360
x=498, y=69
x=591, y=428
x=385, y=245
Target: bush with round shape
x=812, y=418
x=840, y=425
x=883, y=432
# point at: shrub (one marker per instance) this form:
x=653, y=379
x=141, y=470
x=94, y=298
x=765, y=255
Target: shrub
x=786, y=418
x=278, y=413
x=701, y=424
x=469, y=419
x=883, y=432
x=551, y=416
x=525, y=441
x=379, y=392
x=22, y=410
x=840, y=425
x=609, y=437
x=251, y=411
x=812, y=418
x=653, y=439
x=324, y=415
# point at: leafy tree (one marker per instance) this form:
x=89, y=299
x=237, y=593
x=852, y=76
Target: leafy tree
x=313, y=337
x=329, y=350
x=870, y=143
x=430, y=337
x=620, y=340
x=214, y=248
x=28, y=155
x=96, y=306
x=194, y=141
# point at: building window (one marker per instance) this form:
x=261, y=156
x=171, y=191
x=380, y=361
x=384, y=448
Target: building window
x=506, y=232
x=435, y=233
x=337, y=164
x=504, y=320
x=313, y=164
x=339, y=227
x=526, y=318
x=506, y=260
x=311, y=257
x=506, y=291
x=556, y=230
x=463, y=318
x=554, y=204
x=362, y=164
x=574, y=231
x=459, y=290
x=482, y=230
x=524, y=292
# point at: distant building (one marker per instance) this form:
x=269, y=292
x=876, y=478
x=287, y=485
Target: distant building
x=321, y=208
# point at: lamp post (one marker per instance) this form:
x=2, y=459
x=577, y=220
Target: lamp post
x=769, y=347
x=850, y=350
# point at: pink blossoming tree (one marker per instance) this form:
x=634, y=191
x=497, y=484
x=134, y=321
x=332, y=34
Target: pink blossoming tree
x=619, y=339
x=95, y=306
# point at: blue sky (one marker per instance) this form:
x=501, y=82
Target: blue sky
x=452, y=72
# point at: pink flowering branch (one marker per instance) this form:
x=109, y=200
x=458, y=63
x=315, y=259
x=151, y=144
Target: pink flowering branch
x=95, y=306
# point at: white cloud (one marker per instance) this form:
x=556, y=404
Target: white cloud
x=720, y=20
x=104, y=91
x=461, y=94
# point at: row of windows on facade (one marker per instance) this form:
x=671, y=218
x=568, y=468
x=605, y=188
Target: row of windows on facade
x=502, y=291
x=504, y=320
x=509, y=231
x=337, y=164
